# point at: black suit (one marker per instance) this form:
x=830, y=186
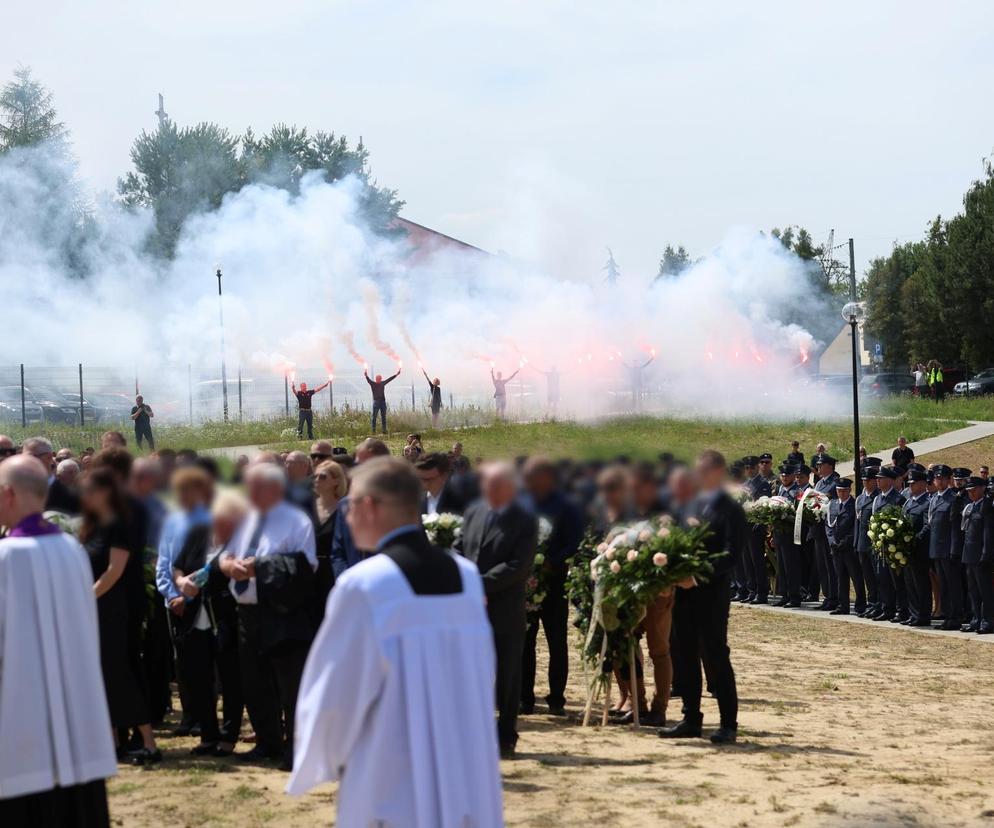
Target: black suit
x=61, y=499
x=700, y=615
x=757, y=579
x=502, y=545
x=916, y=571
x=450, y=499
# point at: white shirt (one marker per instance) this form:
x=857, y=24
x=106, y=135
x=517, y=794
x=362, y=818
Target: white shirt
x=286, y=530
x=431, y=501
x=54, y=725
x=397, y=701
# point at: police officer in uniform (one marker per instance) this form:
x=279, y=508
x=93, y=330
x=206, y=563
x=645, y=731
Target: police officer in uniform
x=788, y=555
x=840, y=533
x=864, y=549
x=960, y=476
x=941, y=513
x=978, y=552
x=916, y=571
x=893, y=596
x=827, y=577
x=755, y=548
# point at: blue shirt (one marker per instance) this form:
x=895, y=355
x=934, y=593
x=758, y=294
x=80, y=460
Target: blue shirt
x=174, y=532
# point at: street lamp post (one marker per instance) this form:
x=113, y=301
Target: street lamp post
x=853, y=314
x=224, y=368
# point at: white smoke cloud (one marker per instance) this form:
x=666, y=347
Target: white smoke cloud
x=305, y=283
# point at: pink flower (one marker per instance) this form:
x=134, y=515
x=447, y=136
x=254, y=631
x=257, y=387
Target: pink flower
x=693, y=522
x=609, y=554
x=632, y=555
x=663, y=532
x=615, y=567
x=602, y=548
x=660, y=559
x=644, y=535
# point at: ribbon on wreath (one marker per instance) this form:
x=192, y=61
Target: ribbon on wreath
x=799, y=515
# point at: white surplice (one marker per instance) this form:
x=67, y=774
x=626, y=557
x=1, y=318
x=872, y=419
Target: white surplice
x=54, y=724
x=397, y=701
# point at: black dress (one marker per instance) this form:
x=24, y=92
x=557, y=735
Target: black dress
x=324, y=578
x=125, y=694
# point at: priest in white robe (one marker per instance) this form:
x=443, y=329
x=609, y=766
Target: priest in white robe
x=56, y=747
x=397, y=698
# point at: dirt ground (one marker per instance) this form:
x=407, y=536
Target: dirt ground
x=840, y=724
x=970, y=455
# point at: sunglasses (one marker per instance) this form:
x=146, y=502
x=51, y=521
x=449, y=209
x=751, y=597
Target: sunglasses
x=320, y=456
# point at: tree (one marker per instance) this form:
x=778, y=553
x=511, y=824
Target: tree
x=179, y=172
x=673, y=262
x=885, y=282
x=613, y=271
x=27, y=115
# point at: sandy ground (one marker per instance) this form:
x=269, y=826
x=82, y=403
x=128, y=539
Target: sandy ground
x=840, y=724
x=972, y=455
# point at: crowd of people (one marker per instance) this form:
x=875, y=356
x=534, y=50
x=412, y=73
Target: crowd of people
x=219, y=586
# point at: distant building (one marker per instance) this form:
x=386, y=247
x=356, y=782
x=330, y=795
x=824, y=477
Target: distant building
x=837, y=356
x=425, y=242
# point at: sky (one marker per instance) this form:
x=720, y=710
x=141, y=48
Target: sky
x=553, y=130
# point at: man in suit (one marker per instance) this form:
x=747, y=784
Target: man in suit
x=62, y=494
x=546, y=499
x=500, y=536
x=700, y=613
x=940, y=546
x=893, y=596
x=840, y=533
x=864, y=549
x=916, y=571
x=978, y=555
x=441, y=494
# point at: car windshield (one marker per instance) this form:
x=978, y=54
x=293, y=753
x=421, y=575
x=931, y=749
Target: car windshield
x=985, y=374
x=48, y=394
x=10, y=394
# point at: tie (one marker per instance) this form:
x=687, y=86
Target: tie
x=488, y=524
x=241, y=586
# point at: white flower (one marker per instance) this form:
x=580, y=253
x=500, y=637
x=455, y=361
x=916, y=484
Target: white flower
x=907, y=538
x=693, y=522
x=615, y=567
x=666, y=520
x=870, y=534
x=890, y=533
x=663, y=532
x=644, y=535
x=885, y=526
x=544, y=530
x=892, y=548
x=659, y=559
x=601, y=548
x=609, y=554
x=632, y=555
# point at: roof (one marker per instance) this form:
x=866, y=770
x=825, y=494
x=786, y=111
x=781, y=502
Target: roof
x=424, y=241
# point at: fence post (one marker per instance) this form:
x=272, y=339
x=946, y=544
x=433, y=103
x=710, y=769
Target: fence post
x=189, y=388
x=412, y=396
x=239, y=393
x=82, y=415
x=286, y=394
x=24, y=416
x=331, y=396
x=450, y=401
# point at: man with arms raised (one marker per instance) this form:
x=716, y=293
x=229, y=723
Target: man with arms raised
x=56, y=748
x=397, y=696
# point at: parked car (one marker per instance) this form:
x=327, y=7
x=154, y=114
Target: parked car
x=885, y=383
x=111, y=408
x=10, y=406
x=982, y=383
x=59, y=407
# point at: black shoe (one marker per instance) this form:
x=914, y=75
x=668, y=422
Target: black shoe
x=760, y=599
x=286, y=765
x=258, y=754
x=972, y=627
x=838, y=611
x=204, y=749
x=985, y=629
x=920, y=623
x=883, y=616
x=860, y=611
x=681, y=730
x=654, y=719
x=793, y=605
x=780, y=602
x=526, y=709
x=724, y=736
x=899, y=619
x=906, y=622
x=507, y=751
x=950, y=625
x=557, y=710
x=144, y=756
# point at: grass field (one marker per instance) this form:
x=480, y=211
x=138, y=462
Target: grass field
x=840, y=724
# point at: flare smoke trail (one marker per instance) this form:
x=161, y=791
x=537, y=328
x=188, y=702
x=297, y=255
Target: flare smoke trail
x=301, y=270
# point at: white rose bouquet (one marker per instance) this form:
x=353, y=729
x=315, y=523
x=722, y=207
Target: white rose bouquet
x=442, y=530
x=892, y=537
x=538, y=584
x=775, y=512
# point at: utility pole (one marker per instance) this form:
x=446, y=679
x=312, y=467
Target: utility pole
x=224, y=369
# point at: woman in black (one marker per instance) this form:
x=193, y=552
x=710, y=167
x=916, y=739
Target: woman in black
x=435, y=390
x=330, y=486
x=104, y=534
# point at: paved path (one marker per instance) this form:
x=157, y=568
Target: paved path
x=974, y=431
x=808, y=611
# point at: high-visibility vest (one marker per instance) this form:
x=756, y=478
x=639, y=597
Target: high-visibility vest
x=935, y=376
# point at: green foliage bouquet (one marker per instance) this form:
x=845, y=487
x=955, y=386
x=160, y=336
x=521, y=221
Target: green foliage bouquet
x=892, y=537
